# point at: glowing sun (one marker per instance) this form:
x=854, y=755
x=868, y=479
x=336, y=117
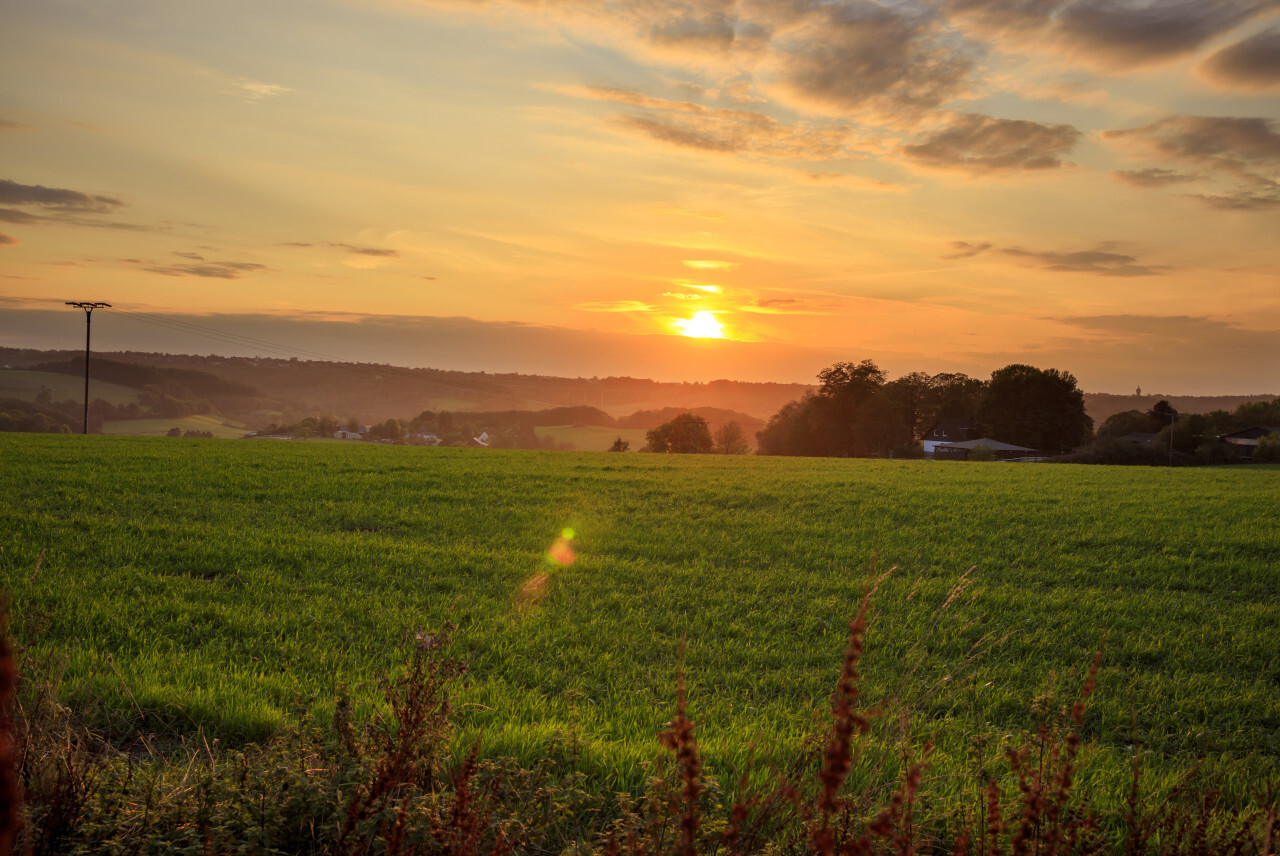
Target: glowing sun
x=703, y=325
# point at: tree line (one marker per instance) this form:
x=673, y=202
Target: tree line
x=858, y=412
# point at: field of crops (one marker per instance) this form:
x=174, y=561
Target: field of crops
x=26, y=385
x=592, y=438
x=215, y=425
x=208, y=584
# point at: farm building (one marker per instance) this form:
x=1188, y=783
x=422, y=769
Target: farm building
x=1244, y=443
x=948, y=431
x=960, y=451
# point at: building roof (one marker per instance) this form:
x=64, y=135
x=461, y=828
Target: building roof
x=1138, y=437
x=1253, y=433
x=952, y=429
x=993, y=445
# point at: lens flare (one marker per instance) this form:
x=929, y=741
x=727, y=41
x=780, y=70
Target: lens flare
x=561, y=552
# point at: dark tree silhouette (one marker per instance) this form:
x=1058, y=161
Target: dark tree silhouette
x=1039, y=408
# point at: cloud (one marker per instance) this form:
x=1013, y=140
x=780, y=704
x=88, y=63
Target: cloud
x=966, y=250
x=194, y=256
x=860, y=57
x=7, y=240
x=250, y=91
x=1153, y=177
x=1111, y=34
x=1099, y=261
x=1246, y=150
x=297, y=244
x=708, y=264
x=1250, y=65
x=1238, y=146
x=1135, y=34
x=981, y=145
x=367, y=251
x=810, y=305
x=615, y=306
x=1240, y=201
x=687, y=134
x=62, y=207
x=724, y=130
x=13, y=215
x=8, y=127
x=1217, y=339
x=209, y=270
x=55, y=199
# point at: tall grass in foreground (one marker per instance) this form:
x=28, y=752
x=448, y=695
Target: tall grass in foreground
x=391, y=784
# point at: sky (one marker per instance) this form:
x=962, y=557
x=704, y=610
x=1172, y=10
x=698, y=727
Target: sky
x=678, y=189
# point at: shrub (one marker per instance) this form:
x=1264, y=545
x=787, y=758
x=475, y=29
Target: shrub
x=981, y=453
x=1268, y=450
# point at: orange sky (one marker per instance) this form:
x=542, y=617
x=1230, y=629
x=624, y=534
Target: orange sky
x=949, y=185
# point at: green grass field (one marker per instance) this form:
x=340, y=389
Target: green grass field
x=591, y=438
x=220, y=427
x=26, y=385
x=207, y=584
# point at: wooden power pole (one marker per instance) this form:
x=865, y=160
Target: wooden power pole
x=88, y=308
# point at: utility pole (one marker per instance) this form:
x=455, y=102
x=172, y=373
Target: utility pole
x=88, y=308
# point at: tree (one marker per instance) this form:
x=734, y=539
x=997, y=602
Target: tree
x=787, y=432
x=620, y=445
x=1129, y=422
x=880, y=426
x=686, y=434
x=1039, y=408
x=1268, y=451
x=729, y=439
x=1188, y=432
x=846, y=387
x=913, y=394
x=955, y=395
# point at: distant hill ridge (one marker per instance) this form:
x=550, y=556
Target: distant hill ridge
x=374, y=392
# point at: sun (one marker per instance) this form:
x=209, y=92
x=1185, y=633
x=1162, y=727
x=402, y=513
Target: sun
x=703, y=325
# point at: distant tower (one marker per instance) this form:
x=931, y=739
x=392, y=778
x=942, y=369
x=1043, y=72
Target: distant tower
x=1138, y=392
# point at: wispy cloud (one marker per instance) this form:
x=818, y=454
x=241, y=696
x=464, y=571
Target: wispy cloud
x=1153, y=177
x=1245, y=150
x=7, y=240
x=10, y=127
x=716, y=129
x=982, y=145
x=966, y=250
x=208, y=270
x=55, y=198
x=246, y=89
x=615, y=306
x=1101, y=261
x=377, y=252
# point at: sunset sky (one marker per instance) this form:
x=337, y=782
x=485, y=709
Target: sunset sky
x=581, y=186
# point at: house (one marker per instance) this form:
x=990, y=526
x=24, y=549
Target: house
x=347, y=435
x=1245, y=443
x=948, y=431
x=960, y=451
